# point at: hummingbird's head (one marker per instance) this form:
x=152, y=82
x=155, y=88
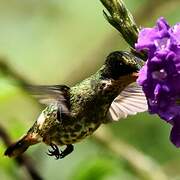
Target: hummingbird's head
x=120, y=63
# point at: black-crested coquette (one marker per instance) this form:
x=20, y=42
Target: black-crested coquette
x=73, y=113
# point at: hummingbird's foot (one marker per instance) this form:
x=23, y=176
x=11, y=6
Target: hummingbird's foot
x=55, y=151
x=69, y=149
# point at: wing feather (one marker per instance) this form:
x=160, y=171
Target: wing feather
x=129, y=102
x=49, y=94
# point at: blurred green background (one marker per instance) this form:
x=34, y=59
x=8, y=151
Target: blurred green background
x=62, y=42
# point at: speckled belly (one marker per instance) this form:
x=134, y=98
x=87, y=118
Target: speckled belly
x=74, y=133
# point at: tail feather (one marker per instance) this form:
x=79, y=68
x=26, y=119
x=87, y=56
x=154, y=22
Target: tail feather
x=19, y=147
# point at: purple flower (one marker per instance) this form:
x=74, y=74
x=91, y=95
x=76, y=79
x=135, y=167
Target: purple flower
x=160, y=76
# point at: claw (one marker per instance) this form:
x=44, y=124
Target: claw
x=67, y=151
x=54, y=152
x=50, y=153
x=58, y=153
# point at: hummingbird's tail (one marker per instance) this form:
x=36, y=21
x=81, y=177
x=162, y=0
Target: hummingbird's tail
x=20, y=146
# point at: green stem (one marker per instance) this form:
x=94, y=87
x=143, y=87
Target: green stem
x=121, y=18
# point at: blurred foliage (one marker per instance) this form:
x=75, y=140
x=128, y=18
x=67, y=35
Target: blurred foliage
x=56, y=42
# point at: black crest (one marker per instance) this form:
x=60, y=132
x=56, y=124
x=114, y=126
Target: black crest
x=120, y=63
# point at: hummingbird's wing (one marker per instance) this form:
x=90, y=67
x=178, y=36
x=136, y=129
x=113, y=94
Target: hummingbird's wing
x=49, y=94
x=129, y=102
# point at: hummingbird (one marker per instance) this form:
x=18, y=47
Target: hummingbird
x=74, y=113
